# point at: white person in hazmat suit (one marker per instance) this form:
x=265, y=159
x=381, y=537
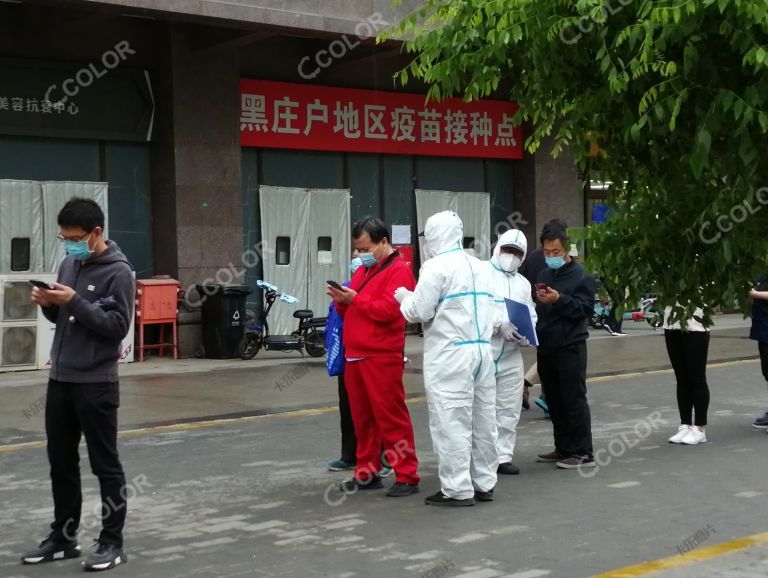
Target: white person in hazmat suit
x=508, y=255
x=454, y=300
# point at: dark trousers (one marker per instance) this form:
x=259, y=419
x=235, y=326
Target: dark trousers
x=688, y=352
x=348, y=440
x=73, y=409
x=563, y=373
x=763, y=348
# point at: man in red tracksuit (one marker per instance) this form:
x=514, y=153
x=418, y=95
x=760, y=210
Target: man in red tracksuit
x=374, y=339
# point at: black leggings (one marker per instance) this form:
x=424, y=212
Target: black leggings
x=763, y=347
x=688, y=353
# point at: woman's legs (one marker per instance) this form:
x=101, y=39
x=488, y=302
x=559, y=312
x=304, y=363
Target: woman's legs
x=696, y=350
x=676, y=352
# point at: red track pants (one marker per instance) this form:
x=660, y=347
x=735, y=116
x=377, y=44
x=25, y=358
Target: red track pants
x=377, y=401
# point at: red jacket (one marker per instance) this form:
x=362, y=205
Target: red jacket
x=373, y=324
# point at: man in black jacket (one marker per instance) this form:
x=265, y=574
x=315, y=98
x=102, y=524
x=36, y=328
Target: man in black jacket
x=566, y=298
x=92, y=307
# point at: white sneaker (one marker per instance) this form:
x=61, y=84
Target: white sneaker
x=694, y=436
x=682, y=431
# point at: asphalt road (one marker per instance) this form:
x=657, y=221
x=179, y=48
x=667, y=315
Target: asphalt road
x=251, y=497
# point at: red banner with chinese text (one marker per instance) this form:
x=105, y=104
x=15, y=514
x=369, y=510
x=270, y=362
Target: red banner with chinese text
x=299, y=116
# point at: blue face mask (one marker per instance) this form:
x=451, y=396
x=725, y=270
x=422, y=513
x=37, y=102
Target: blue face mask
x=78, y=249
x=354, y=264
x=368, y=260
x=555, y=262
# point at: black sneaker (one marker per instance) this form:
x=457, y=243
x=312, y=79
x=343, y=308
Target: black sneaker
x=353, y=485
x=106, y=557
x=508, y=469
x=440, y=499
x=401, y=489
x=51, y=551
x=761, y=422
x=484, y=496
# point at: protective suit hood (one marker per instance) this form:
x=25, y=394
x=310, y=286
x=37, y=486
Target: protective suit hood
x=513, y=237
x=443, y=232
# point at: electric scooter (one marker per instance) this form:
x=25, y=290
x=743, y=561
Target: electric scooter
x=644, y=312
x=308, y=336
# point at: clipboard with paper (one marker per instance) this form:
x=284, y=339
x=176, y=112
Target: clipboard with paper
x=520, y=316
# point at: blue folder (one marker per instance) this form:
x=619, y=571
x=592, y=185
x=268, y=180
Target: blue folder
x=520, y=317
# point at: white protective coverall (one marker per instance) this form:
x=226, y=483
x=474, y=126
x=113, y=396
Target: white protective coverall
x=508, y=284
x=454, y=301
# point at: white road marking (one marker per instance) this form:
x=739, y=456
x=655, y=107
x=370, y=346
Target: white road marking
x=533, y=573
x=475, y=537
x=269, y=506
x=621, y=485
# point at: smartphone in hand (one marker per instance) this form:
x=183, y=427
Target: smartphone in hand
x=335, y=285
x=40, y=284
x=542, y=287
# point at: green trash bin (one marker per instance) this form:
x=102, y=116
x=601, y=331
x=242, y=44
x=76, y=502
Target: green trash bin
x=222, y=319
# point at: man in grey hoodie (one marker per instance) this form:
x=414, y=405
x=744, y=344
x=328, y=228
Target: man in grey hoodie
x=91, y=305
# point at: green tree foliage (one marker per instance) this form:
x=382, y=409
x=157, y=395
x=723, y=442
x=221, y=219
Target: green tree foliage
x=666, y=99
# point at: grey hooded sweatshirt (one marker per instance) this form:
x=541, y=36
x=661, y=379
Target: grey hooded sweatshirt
x=90, y=328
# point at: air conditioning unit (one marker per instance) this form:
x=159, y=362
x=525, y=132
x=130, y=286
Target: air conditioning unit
x=24, y=340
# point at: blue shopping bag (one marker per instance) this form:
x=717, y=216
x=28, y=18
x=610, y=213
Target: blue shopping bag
x=334, y=345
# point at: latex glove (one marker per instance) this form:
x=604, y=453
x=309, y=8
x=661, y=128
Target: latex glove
x=401, y=293
x=510, y=333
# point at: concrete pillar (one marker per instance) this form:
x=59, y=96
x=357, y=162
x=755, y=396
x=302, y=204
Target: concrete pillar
x=558, y=194
x=197, y=198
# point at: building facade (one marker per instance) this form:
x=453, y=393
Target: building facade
x=153, y=98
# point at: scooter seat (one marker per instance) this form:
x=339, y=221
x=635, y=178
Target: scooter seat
x=303, y=314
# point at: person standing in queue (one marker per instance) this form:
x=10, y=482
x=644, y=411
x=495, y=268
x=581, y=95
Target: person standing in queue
x=759, y=332
x=334, y=331
x=565, y=297
x=508, y=254
x=374, y=340
x=92, y=306
x=454, y=299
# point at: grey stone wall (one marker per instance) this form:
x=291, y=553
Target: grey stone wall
x=332, y=16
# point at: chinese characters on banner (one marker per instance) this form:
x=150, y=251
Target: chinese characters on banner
x=297, y=116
